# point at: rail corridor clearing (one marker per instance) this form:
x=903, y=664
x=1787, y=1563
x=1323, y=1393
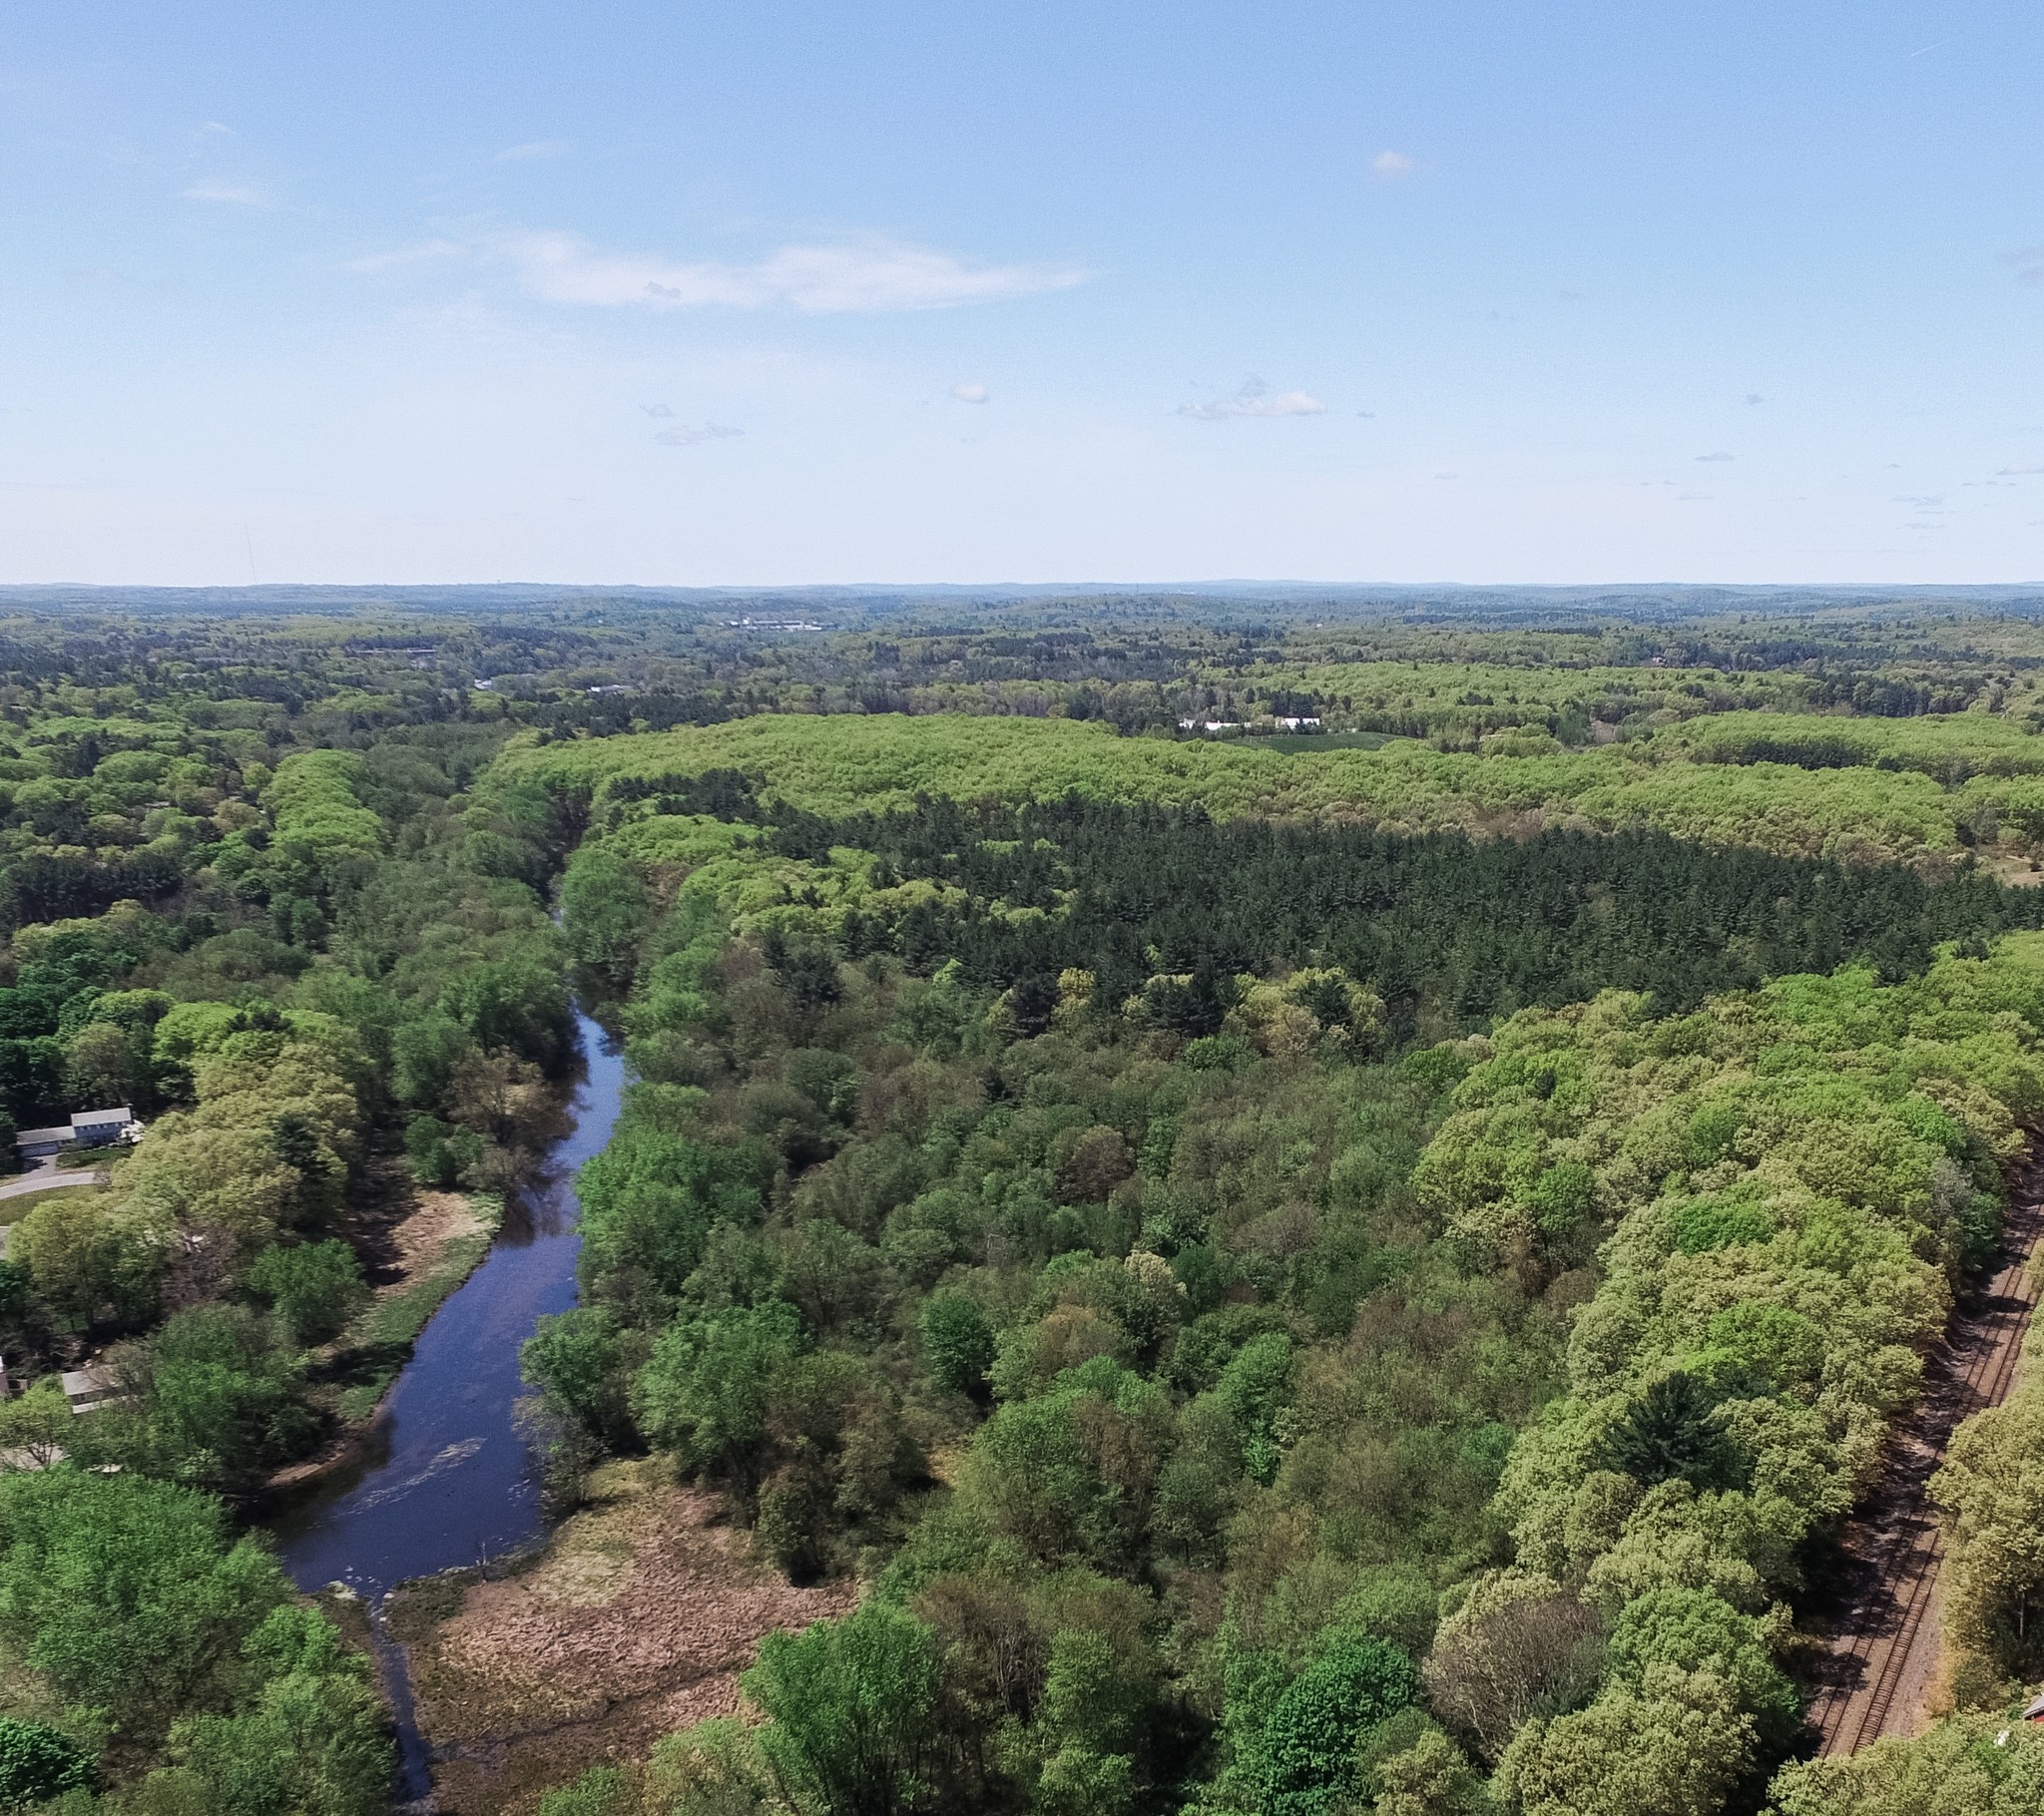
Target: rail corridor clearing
x=1887, y=1639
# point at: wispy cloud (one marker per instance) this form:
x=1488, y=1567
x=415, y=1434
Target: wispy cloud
x=533, y=150
x=2013, y=472
x=401, y=256
x=685, y=437
x=655, y=409
x=1391, y=164
x=2028, y=262
x=970, y=393
x=1719, y=456
x=864, y=277
x=229, y=195
x=1255, y=398
x=1755, y=398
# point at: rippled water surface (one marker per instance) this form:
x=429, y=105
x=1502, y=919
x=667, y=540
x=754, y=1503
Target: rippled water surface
x=448, y=1480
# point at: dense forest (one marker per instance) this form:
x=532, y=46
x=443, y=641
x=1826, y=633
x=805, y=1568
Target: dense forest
x=1354, y=1274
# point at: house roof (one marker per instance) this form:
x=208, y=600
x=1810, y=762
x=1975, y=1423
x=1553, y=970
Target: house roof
x=2035, y=1711
x=36, y=1138
x=92, y=1118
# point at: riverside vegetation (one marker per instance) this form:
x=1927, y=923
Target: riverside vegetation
x=1291, y=1276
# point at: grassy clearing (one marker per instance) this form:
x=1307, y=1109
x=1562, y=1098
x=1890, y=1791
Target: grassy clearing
x=635, y=1621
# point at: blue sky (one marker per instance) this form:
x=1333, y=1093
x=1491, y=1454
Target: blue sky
x=711, y=293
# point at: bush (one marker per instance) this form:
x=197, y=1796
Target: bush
x=313, y=1288
x=576, y=1359
x=38, y=1763
x=440, y=1152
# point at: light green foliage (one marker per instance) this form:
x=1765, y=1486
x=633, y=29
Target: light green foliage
x=1749, y=1342
x=1970, y=1765
x=852, y=1712
x=833, y=764
x=313, y=1287
x=129, y=1598
x=1675, y=1747
x=1991, y=1493
x=604, y=909
x=322, y=829
x=704, y=1391
x=1428, y=1779
x=1695, y=1630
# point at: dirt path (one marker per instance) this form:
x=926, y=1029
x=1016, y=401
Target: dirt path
x=1886, y=1640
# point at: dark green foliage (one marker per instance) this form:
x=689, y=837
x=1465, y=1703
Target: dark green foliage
x=1480, y=928
x=440, y=1152
x=38, y=1763
x=15, y=1287
x=957, y=1341
x=1670, y=1433
x=650, y=1199
x=604, y=909
x=703, y=1393
x=1304, y=1758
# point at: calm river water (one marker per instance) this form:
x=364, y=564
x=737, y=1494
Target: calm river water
x=448, y=1480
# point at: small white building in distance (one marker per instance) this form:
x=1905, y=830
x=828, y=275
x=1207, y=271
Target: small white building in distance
x=88, y=1129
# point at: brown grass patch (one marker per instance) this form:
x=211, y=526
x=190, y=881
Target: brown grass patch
x=435, y=1220
x=635, y=1621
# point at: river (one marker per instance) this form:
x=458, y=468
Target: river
x=448, y=1479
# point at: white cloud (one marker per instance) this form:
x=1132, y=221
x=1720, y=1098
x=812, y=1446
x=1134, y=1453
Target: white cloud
x=685, y=437
x=240, y=196
x=970, y=393
x=1255, y=398
x=1712, y=457
x=857, y=277
x=1391, y=164
x=532, y=150
x=2007, y=472
x=655, y=409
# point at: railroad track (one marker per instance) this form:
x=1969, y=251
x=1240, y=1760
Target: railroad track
x=1885, y=1649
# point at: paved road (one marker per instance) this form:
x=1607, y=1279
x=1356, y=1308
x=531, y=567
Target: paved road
x=50, y=1178
x=1885, y=1644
